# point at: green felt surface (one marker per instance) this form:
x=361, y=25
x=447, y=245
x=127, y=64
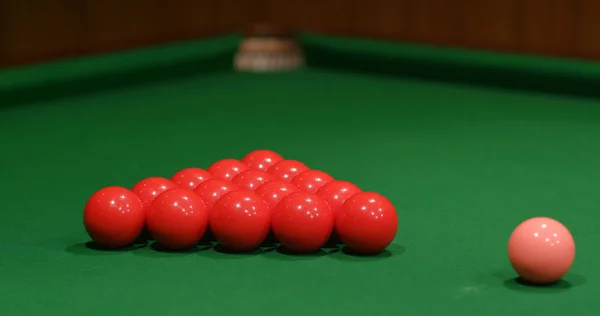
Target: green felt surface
x=463, y=164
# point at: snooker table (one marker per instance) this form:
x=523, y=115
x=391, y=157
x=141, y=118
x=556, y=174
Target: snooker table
x=465, y=144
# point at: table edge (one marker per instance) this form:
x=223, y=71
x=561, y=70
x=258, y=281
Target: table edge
x=47, y=81
x=492, y=69
x=66, y=78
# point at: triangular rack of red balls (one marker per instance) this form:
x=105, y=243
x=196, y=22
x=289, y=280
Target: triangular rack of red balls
x=239, y=204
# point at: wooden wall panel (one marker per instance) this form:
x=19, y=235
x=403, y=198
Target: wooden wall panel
x=550, y=26
x=433, y=21
x=40, y=30
x=331, y=16
x=122, y=24
x=189, y=18
x=46, y=29
x=380, y=19
x=588, y=29
x=475, y=23
x=55, y=30
x=291, y=13
x=490, y=24
x=231, y=15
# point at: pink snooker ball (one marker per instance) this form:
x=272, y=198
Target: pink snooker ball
x=541, y=250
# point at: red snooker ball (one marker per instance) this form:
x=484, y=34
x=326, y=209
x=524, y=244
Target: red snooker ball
x=251, y=179
x=113, y=217
x=337, y=192
x=240, y=221
x=148, y=189
x=177, y=219
x=367, y=223
x=302, y=222
x=190, y=178
x=273, y=191
x=261, y=159
x=287, y=169
x=311, y=180
x=212, y=190
x=227, y=168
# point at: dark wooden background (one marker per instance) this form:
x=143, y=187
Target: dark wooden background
x=38, y=30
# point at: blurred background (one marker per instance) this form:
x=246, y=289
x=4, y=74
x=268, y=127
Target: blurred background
x=40, y=30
